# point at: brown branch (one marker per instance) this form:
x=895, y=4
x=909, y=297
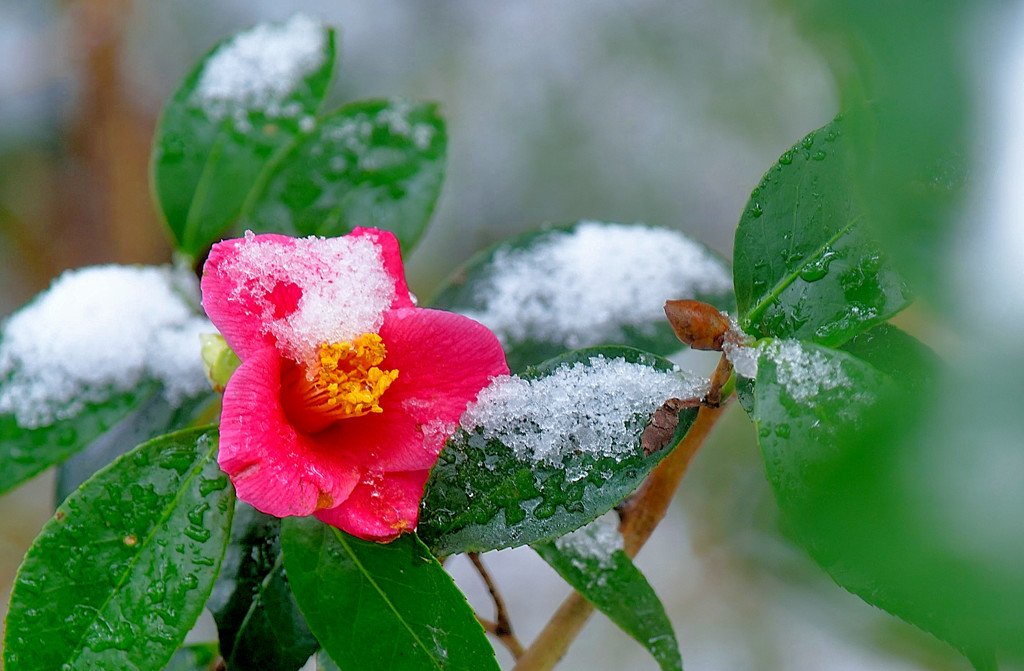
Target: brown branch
x=639, y=516
x=501, y=628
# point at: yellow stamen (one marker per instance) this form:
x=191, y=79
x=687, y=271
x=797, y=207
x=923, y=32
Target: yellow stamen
x=350, y=377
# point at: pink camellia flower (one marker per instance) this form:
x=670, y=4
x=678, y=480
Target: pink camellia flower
x=346, y=392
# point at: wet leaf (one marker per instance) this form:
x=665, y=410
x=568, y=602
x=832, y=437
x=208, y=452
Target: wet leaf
x=844, y=456
x=805, y=263
x=908, y=103
x=199, y=657
x=483, y=494
x=154, y=417
x=377, y=163
x=229, y=118
x=324, y=662
x=592, y=560
x=27, y=452
x=545, y=292
x=390, y=606
x=120, y=574
x=258, y=620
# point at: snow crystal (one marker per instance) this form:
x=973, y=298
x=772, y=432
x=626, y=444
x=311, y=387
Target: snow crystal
x=97, y=330
x=737, y=349
x=577, y=408
x=578, y=287
x=259, y=68
x=599, y=540
x=805, y=373
x=343, y=285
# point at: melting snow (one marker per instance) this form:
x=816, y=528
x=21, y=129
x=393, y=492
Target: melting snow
x=100, y=329
x=259, y=68
x=578, y=408
x=599, y=540
x=804, y=372
x=579, y=287
x=737, y=349
x=343, y=285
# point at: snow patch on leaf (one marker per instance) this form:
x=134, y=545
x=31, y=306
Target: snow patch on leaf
x=579, y=287
x=597, y=407
x=259, y=68
x=100, y=330
x=596, y=542
x=804, y=372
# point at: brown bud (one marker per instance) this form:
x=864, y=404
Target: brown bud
x=662, y=428
x=699, y=325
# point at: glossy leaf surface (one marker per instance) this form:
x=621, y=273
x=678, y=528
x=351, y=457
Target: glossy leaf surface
x=374, y=606
x=199, y=657
x=805, y=264
x=324, y=662
x=910, y=115
x=482, y=496
x=842, y=462
x=26, y=452
x=228, y=119
x=154, y=417
x=592, y=560
x=258, y=620
x=124, y=567
x=487, y=286
x=377, y=164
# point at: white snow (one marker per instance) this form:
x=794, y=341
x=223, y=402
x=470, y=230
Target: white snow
x=738, y=350
x=599, y=540
x=259, y=68
x=97, y=330
x=579, y=287
x=344, y=288
x=599, y=408
x=805, y=373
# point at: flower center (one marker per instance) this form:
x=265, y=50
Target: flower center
x=347, y=383
x=350, y=377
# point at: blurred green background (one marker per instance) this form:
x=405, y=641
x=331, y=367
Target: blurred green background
x=628, y=110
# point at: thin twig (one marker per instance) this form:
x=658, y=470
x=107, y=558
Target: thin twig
x=639, y=517
x=502, y=626
x=490, y=626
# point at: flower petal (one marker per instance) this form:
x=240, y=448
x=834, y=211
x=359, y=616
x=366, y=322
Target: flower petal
x=300, y=292
x=392, y=254
x=444, y=360
x=381, y=507
x=277, y=469
x=390, y=441
x=237, y=314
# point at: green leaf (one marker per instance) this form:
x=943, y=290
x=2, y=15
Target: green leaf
x=834, y=433
x=375, y=606
x=592, y=560
x=376, y=163
x=248, y=99
x=154, y=417
x=910, y=115
x=547, y=292
x=805, y=264
x=325, y=663
x=27, y=452
x=258, y=620
x=586, y=412
x=199, y=657
x=119, y=575
x=896, y=354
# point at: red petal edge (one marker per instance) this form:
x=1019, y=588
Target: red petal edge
x=392, y=254
x=381, y=507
